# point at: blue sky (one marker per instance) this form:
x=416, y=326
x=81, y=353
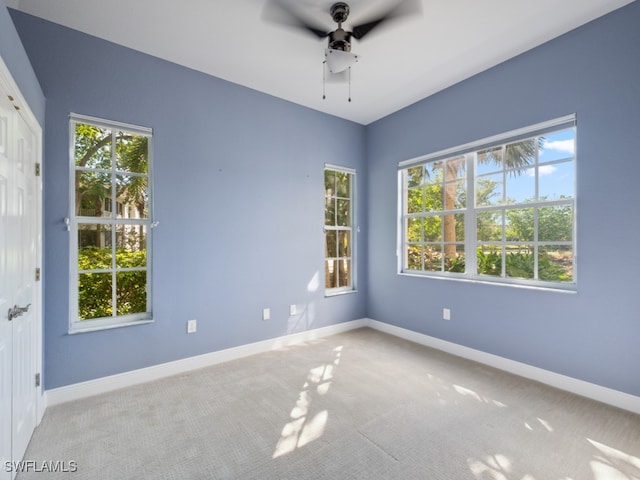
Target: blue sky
x=555, y=179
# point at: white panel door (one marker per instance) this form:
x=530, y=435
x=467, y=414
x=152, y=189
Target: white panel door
x=18, y=255
x=6, y=330
x=24, y=254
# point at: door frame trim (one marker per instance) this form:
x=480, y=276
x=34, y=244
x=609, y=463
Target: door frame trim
x=10, y=87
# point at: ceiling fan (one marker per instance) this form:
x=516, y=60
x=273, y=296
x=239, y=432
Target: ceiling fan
x=338, y=56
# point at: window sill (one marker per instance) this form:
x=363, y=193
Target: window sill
x=94, y=328
x=337, y=293
x=568, y=288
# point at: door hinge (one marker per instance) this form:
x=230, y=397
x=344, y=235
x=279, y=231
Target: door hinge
x=37, y=169
x=38, y=274
x=37, y=379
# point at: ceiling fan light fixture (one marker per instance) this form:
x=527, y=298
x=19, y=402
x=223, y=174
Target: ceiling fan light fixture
x=338, y=61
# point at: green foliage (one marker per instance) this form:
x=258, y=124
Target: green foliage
x=519, y=264
x=555, y=223
x=95, y=289
x=455, y=264
x=489, y=263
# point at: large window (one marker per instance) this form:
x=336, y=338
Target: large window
x=339, y=194
x=500, y=209
x=110, y=224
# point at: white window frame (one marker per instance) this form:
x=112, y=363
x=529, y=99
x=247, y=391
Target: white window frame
x=350, y=228
x=471, y=211
x=77, y=325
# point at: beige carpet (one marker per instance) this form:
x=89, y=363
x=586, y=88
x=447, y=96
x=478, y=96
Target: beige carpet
x=359, y=405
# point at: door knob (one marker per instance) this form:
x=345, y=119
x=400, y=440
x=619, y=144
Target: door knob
x=17, y=311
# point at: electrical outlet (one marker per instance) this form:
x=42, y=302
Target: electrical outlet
x=266, y=314
x=446, y=314
x=192, y=326
x=292, y=310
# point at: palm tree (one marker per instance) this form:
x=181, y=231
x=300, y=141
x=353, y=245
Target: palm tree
x=514, y=159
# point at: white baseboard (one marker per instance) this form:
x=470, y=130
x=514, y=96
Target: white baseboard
x=562, y=382
x=89, y=388
x=113, y=382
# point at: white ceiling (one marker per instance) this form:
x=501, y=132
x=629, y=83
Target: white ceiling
x=401, y=62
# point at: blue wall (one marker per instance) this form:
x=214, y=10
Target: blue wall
x=238, y=179
x=593, y=335
x=239, y=185
x=14, y=56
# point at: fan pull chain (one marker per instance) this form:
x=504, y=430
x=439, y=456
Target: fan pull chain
x=349, y=83
x=324, y=80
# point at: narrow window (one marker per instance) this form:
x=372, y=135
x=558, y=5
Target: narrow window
x=500, y=209
x=339, y=214
x=110, y=252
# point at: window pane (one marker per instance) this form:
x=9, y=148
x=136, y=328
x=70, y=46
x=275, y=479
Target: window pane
x=489, y=226
x=520, y=262
x=330, y=211
x=344, y=272
x=455, y=168
x=343, y=184
x=93, y=190
x=555, y=224
x=558, y=145
x=94, y=246
x=344, y=213
x=451, y=228
x=433, y=198
x=433, y=229
x=556, y=181
x=415, y=176
x=414, y=230
x=519, y=156
x=433, y=172
x=555, y=263
x=489, y=160
x=489, y=190
x=131, y=241
x=520, y=187
x=414, y=257
x=92, y=147
x=459, y=228
x=131, y=292
x=519, y=226
x=133, y=192
x=330, y=274
x=414, y=200
x=454, y=195
x=344, y=243
x=433, y=258
x=329, y=183
x=94, y=295
x=454, y=260
x=489, y=260
x=132, y=153
x=331, y=249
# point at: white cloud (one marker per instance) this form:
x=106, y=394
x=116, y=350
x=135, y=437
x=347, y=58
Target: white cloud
x=546, y=169
x=566, y=146
x=542, y=170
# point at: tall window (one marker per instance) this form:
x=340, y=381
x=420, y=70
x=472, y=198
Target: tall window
x=339, y=194
x=500, y=209
x=110, y=224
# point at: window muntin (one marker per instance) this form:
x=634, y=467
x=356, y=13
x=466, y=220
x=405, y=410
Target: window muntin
x=339, y=210
x=520, y=222
x=110, y=224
